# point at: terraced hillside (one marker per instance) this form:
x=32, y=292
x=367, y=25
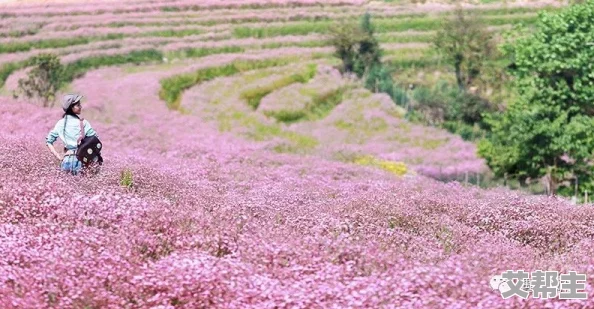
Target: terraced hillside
x=169, y=32
x=242, y=170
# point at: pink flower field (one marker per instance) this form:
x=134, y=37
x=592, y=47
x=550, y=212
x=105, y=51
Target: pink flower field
x=217, y=205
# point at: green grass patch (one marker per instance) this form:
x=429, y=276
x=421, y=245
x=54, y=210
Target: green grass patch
x=414, y=63
x=298, y=143
x=79, y=67
x=412, y=58
x=255, y=75
x=295, y=142
x=382, y=25
x=410, y=52
x=430, y=144
x=359, y=125
x=432, y=23
x=10, y=67
x=301, y=28
x=21, y=32
x=287, y=116
x=310, y=44
x=255, y=6
x=304, y=17
x=315, y=18
x=202, y=52
x=254, y=96
x=505, y=11
x=323, y=104
x=172, y=87
x=320, y=106
x=126, y=178
x=13, y=47
x=173, y=33
x=413, y=38
x=291, y=4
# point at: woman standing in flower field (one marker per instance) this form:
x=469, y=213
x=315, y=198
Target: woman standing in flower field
x=70, y=130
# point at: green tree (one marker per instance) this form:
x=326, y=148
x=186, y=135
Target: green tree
x=369, y=53
x=361, y=54
x=345, y=37
x=465, y=42
x=547, y=132
x=43, y=80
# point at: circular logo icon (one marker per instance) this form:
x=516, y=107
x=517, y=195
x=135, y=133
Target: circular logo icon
x=89, y=151
x=99, y=146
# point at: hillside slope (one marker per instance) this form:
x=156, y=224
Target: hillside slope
x=252, y=187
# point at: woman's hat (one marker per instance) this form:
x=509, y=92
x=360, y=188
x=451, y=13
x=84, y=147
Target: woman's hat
x=69, y=100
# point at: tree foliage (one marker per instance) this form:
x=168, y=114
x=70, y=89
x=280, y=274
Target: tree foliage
x=547, y=132
x=360, y=52
x=356, y=46
x=466, y=43
x=445, y=102
x=345, y=38
x=43, y=80
x=369, y=53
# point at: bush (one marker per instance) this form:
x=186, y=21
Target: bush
x=358, y=49
x=345, y=38
x=466, y=131
x=369, y=53
x=444, y=102
x=379, y=79
x=467, y=45
x=44, y=79
x=430, y=105
x=457, y=111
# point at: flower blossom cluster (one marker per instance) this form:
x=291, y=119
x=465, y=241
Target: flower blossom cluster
x=193, y=231
x=210, y=219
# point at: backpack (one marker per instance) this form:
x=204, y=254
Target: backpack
x=89, y=148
